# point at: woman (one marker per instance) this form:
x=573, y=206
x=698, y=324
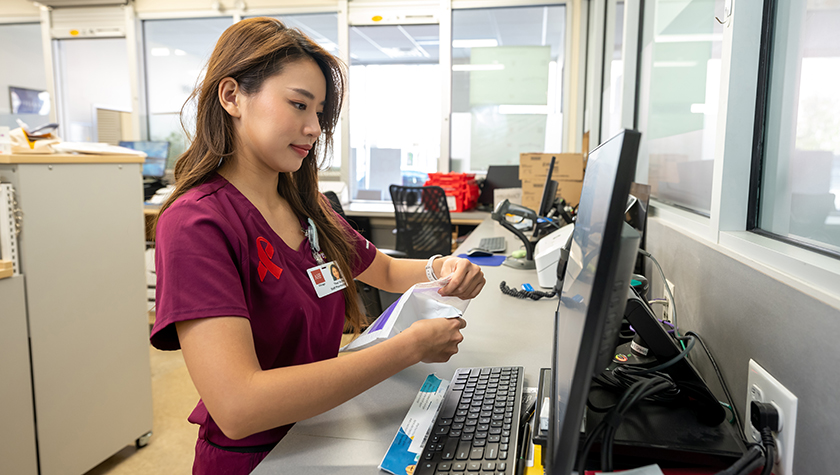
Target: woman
x=245, y=241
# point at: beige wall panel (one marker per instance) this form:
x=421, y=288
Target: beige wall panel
x=148, y=6
x=17, y=8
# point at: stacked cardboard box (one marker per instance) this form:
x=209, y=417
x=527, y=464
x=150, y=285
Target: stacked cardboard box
x=6, y=269
x=568, y=173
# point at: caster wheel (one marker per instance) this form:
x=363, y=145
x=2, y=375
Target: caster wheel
x=143, y=440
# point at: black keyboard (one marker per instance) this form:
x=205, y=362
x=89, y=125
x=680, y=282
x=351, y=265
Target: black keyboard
x=476, y=430
x=493, y=244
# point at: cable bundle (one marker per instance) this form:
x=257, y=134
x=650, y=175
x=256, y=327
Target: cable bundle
x=644, y=388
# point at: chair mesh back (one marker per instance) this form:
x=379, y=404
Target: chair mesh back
x=335, y=203
x=422, y=215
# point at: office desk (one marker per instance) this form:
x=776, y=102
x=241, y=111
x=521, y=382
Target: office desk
x=384, y=209
x=501, y=330
x=377, y=217
x=381, y=215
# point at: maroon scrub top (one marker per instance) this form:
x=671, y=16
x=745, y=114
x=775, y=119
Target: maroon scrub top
x=215, y=255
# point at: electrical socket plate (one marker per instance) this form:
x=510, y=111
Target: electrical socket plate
x=762, y=387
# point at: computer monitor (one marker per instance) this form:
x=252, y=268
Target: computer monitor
x=499, y=176
x=549, y=191
x=156, y=154
x=594, y=292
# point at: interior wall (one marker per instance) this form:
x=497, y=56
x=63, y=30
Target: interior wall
x=745, y=314
x=18, y=8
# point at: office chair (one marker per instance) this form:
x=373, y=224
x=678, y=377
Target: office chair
x=368, y=295
x=423, y=225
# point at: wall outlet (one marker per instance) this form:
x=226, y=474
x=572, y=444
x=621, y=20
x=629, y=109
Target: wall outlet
x=762, y=387
x=669, y=309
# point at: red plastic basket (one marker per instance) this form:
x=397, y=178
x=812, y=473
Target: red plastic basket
x=461, y=186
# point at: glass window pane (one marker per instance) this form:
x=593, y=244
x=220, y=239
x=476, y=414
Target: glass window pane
x=29, y=100
x=90, y=72
x=176, y=53
x=679, y=103
x=507, y=76
x=395, y=103
x=800, y=189
x=322, y=28
x=611, y=101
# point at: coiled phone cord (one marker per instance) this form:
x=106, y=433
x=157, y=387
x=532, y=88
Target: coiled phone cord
x=525, y=294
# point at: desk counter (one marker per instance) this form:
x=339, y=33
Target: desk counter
x=501, y=330
x=383, y=209
x=61, y=158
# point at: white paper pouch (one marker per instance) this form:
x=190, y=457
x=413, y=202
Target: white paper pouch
x=422, y=301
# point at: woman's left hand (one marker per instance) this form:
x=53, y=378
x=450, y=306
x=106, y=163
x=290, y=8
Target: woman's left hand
x=467, y=278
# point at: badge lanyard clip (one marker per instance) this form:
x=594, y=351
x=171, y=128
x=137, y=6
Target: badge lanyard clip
x=311, y=234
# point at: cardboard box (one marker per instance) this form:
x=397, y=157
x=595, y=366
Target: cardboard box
x=6, y=269
x=567, y=166
x=532, y=191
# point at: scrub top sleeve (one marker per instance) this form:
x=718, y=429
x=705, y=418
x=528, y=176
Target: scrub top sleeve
x=197, y=261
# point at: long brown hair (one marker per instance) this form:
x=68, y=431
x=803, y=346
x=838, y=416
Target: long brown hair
x=250, y=52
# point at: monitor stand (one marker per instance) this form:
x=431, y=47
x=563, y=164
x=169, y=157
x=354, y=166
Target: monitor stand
x=520, y=263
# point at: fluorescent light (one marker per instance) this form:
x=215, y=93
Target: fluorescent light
x=180, y=52
x=487, y=43
x=478, y=67
x=160, y=51
x=698, y=108
x=522, y=109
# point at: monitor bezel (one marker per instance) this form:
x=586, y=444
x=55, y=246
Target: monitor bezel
x=564, y=435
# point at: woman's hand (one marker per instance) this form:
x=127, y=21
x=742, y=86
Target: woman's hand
x=467, y=278
x=435, y=339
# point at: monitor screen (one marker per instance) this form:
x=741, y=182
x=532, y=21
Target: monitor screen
x=499, y=176
x=156, y=154
x=594, y=294
x=549, y=191
x=29, y=101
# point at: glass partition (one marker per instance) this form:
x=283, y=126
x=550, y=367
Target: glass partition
x=507, y=76
x=679, y=101
x=800, y=186
x=176, y=53
x=23, y=81
x=395, y=87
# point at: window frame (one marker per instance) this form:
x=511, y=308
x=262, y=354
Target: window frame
x=756, y=178
x=731, y=227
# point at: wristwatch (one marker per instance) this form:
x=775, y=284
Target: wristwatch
x=430, y=271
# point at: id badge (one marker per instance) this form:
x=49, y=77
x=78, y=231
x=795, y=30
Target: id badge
x=326, y=279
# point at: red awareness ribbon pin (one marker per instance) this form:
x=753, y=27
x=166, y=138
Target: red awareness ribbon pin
x=265, y=254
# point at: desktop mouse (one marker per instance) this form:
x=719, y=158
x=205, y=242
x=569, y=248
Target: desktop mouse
x=478, y=252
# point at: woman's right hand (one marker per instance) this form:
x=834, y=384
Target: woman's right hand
x=436, y=339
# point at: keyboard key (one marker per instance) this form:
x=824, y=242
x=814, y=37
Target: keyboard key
x=463, y=451
x=450, y=404
x=448, y=452
x=491, y=452
x=477, y=453
x=444, y=467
